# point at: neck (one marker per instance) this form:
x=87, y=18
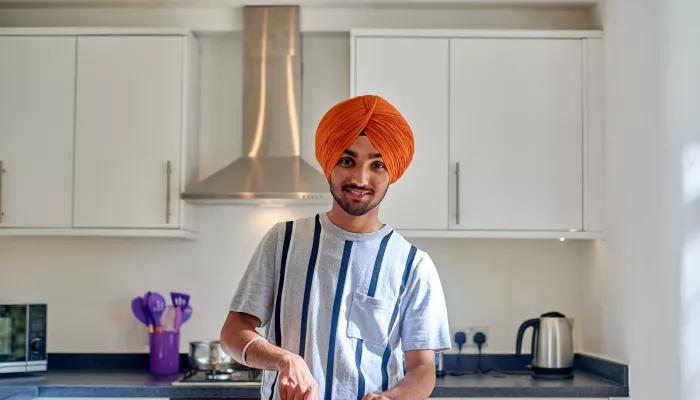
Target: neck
x=362, y=224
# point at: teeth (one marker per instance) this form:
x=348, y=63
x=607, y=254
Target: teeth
x=358, y=192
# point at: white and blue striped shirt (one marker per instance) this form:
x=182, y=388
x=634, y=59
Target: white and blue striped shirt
x=349, y=303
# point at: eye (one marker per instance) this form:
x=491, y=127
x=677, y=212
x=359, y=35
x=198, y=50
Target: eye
x=345, y=161
x=378, y=165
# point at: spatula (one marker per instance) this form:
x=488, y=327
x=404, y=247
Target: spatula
x=178, y=318
x=181, y=300
x=186, y=314
x=156, y=307
x=139, y=310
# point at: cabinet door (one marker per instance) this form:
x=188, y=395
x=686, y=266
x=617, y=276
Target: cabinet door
x=128, y=131
x=594, y=138
x=37, y=94
x=411, y=73
x=516, y=133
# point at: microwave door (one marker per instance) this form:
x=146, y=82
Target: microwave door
x=5, y=338
x=13, y=336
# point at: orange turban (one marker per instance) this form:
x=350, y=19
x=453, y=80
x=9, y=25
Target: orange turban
x=380, y=121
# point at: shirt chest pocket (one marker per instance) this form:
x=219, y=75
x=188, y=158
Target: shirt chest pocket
x=369, y=318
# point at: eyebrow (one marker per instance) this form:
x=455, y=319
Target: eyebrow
x=354, y=155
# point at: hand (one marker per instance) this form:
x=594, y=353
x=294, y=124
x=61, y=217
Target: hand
x=296, y=381
x=373, y=396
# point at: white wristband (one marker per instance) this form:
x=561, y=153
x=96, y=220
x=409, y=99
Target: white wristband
x=253, y=340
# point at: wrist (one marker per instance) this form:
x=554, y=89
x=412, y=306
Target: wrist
x=285, y=360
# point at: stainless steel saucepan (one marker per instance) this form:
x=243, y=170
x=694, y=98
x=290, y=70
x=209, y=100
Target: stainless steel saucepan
x=208, y=355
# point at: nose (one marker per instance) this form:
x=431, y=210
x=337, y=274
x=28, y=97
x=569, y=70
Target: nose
x=360, y=177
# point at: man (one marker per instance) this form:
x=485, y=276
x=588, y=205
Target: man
x=345, y=298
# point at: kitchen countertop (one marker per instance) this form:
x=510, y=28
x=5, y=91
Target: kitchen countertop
x=18, y=392
x=142, y=384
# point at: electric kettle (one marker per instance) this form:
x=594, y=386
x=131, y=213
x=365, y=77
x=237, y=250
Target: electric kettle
x=552, y=345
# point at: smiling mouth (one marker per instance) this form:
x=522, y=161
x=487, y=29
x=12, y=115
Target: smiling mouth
x=358, y=194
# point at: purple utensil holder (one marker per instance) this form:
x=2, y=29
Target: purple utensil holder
x=164, y=353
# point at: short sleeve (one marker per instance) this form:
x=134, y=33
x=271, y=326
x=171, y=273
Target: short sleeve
x=424, y=322
x=255, y=291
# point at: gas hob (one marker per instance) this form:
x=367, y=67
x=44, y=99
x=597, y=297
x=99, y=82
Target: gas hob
x=240, y=377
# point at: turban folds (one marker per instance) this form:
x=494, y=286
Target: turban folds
x=379, y=120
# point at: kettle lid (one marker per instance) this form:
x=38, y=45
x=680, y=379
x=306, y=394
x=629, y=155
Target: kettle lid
x=552, y=314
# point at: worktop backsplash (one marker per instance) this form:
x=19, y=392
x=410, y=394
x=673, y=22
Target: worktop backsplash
x=88, y=282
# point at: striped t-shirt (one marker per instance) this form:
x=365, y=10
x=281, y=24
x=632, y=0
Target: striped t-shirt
x=349, y=303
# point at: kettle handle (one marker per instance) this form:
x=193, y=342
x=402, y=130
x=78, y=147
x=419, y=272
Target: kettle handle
x=535, y=324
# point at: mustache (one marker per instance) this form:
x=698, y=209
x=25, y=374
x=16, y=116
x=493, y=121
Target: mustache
x=358, y=188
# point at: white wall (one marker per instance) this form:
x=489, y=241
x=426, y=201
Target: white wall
x=604, y=315
x=643, y=293
x=498, y=283
x=682, y=96
x=501, y=283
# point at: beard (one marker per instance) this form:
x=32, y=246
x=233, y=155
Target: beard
x=354, y=207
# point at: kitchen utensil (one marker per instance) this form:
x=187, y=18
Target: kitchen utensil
x=552, y=345
x=156, y=306
x=167, y=321
x=145, y=306
x=178, y=318
x=209, y=355
x=180, y=299
x=140, y=312
x=186, y=314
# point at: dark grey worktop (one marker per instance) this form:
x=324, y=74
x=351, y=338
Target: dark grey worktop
x=523, y=385
x=18, y=392
x=87, y=376
x=142, y=384
x=123, y=384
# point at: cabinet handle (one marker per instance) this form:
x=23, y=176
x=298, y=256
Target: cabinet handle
x=2, y=171
x=167, y=194
x=457, y=193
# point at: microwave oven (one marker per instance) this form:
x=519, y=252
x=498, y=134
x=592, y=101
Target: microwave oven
x=23, y=338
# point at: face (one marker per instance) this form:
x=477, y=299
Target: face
x=360, y=180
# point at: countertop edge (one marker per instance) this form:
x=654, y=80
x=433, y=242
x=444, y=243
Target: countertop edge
x=254, y=392
x=591, y=392
x=131, y=384
x=18, y=392
x=173, y=392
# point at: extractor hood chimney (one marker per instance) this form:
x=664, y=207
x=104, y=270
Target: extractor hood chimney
x=270, y=169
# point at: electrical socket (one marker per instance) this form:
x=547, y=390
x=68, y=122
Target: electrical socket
x=472, y=331
x=469, y=331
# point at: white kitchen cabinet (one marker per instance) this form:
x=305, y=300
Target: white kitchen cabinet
x=98, y=132
x=392, y=68
x=128, y=129
x=523, y=154
x=594, y=134
x=516, y=133
x=37, y=78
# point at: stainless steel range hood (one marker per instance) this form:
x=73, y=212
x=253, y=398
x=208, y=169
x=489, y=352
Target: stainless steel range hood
x=271, y=168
